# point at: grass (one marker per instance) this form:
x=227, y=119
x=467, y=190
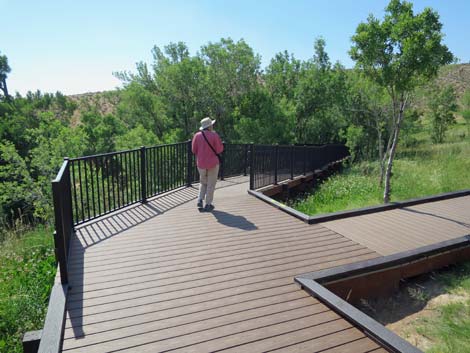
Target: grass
x=449, y=328
x=27, y=270
x=423, y=170
x=431, y=311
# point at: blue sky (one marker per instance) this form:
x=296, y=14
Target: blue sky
x=74, y=46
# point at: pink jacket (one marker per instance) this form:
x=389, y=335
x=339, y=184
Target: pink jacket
x=206, y=159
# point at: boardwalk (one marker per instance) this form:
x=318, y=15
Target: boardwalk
x=164, y=277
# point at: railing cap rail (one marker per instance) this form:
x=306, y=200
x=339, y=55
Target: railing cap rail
x=61, y=172
x=103, y=154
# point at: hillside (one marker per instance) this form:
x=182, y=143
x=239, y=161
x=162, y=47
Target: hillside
x=457, y=75
x=103, y=102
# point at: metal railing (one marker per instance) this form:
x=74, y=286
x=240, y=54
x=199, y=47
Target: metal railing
x=92, y=186
x=107, y=182
x=89, y=187
x=270, y=165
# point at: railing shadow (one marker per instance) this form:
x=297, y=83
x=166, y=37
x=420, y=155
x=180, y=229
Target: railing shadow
x=467, y=225
x=106, y=227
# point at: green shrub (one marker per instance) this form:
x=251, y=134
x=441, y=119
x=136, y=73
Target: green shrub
x=27, y=270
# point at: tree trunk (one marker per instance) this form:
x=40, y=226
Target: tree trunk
x=381, y=151
x=4, y=88
x=389, y=142
x=391, y=154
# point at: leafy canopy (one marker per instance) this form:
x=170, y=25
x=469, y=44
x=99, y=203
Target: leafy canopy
x=401, y=50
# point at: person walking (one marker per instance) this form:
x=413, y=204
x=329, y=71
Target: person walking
x=207, y=146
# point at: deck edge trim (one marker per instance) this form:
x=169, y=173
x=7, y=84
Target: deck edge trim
x=313, y=284
x=358, y=211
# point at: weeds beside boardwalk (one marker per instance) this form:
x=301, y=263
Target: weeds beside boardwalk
x=27, y=271
x=449, y=328
x=431, y=311
x=423, y=170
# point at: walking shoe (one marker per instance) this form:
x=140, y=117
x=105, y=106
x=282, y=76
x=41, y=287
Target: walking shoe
x=199, y=204
x=208, y=208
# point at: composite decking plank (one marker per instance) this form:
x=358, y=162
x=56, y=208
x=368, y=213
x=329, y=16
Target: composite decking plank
x=200, y=268
x=213, y=291
x=223, y=240
x=172, y=339
x=208, y=259
x=407, y=228
x=205, y=256
x=271, y=333
x=196, y=312
x=164, y=329
x=362, y=345
x=152, y=273
x=313, y=340
x=218, y=282
x=247, y=331
x=189, y=304
x=144, y=232
x=414, y=224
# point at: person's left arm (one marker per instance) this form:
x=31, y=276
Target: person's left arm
x=194, y=144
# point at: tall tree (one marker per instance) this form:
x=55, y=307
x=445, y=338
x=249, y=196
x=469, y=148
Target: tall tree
x=399, y=53
x=4, y=71
x=233, y=70
x=282, y=76
x=318, y=98
x=442, y=105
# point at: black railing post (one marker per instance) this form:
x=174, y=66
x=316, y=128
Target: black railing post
x=68, y=210
x=252, y=165
x=143, y=175
x=63, y=226
x=292, y=155
x=276, y=162
x=245, y=164
x=304, y=149
x=189, y=167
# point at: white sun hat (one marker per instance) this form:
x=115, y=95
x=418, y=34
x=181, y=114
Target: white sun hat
x=206, y=122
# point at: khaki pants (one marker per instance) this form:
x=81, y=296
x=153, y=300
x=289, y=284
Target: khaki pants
x=208, y=178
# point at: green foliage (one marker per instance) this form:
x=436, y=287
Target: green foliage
x=367, y=106
x=18, y=192
x=282, y=76
x=138, y=106
x=27, y=270
x=355, y=138
x=399, y=53
x=100, y=131
x=259, y=120
x=422, y=170
x=403, y=49
x=442, y=106
x=136, y=137
x=465, y=101
x=410, y=127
